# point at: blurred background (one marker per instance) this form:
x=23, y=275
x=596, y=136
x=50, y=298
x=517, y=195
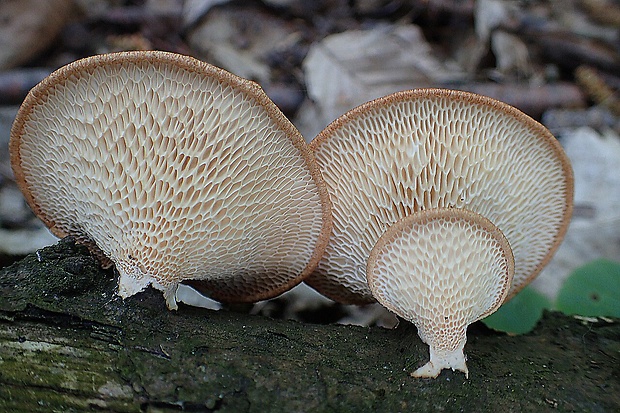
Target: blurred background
x=556, y=60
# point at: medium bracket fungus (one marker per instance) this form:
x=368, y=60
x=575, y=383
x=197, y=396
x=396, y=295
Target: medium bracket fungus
x=173, y=170
x=433, y=148
x=441, y=269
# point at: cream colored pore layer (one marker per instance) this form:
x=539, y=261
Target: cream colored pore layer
x=441, y=274
x=389, y=160
x=174, y=176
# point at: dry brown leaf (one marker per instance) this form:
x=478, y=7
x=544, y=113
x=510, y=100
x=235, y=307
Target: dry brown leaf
x=347, y=69
x=28, y=27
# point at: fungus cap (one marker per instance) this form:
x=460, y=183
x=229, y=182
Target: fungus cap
x=432, y=148
x=173, y=170
x=441, y=269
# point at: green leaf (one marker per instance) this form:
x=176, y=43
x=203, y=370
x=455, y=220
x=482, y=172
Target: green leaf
x=592, y=290
x=519, y=315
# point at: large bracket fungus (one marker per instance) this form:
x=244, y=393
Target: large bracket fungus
x=432, y=148
x=441, y=269
x=173, y=170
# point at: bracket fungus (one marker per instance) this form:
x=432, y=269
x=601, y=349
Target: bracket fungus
x=433, y=148
x=441, y=269
x=173, y=170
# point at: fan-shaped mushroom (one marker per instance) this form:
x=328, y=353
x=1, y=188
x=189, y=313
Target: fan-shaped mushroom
x=432, y=148
x=441, y=269
x=174, y=170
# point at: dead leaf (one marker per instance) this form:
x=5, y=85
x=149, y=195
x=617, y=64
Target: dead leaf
x=347, y=69
x=28, y=27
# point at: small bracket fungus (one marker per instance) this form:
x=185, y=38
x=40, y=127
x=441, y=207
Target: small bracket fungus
x=432, y=148
x=441, y=269
x=173, y=170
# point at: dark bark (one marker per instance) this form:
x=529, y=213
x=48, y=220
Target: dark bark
x=68, y=343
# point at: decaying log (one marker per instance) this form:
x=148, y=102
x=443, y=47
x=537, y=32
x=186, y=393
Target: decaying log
x=531, y=99
x=68, y=343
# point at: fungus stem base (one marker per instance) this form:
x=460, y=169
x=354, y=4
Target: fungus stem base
x=132, y=283
x=442, y=359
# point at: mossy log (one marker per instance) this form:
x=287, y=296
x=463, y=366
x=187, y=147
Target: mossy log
x=68, y=343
